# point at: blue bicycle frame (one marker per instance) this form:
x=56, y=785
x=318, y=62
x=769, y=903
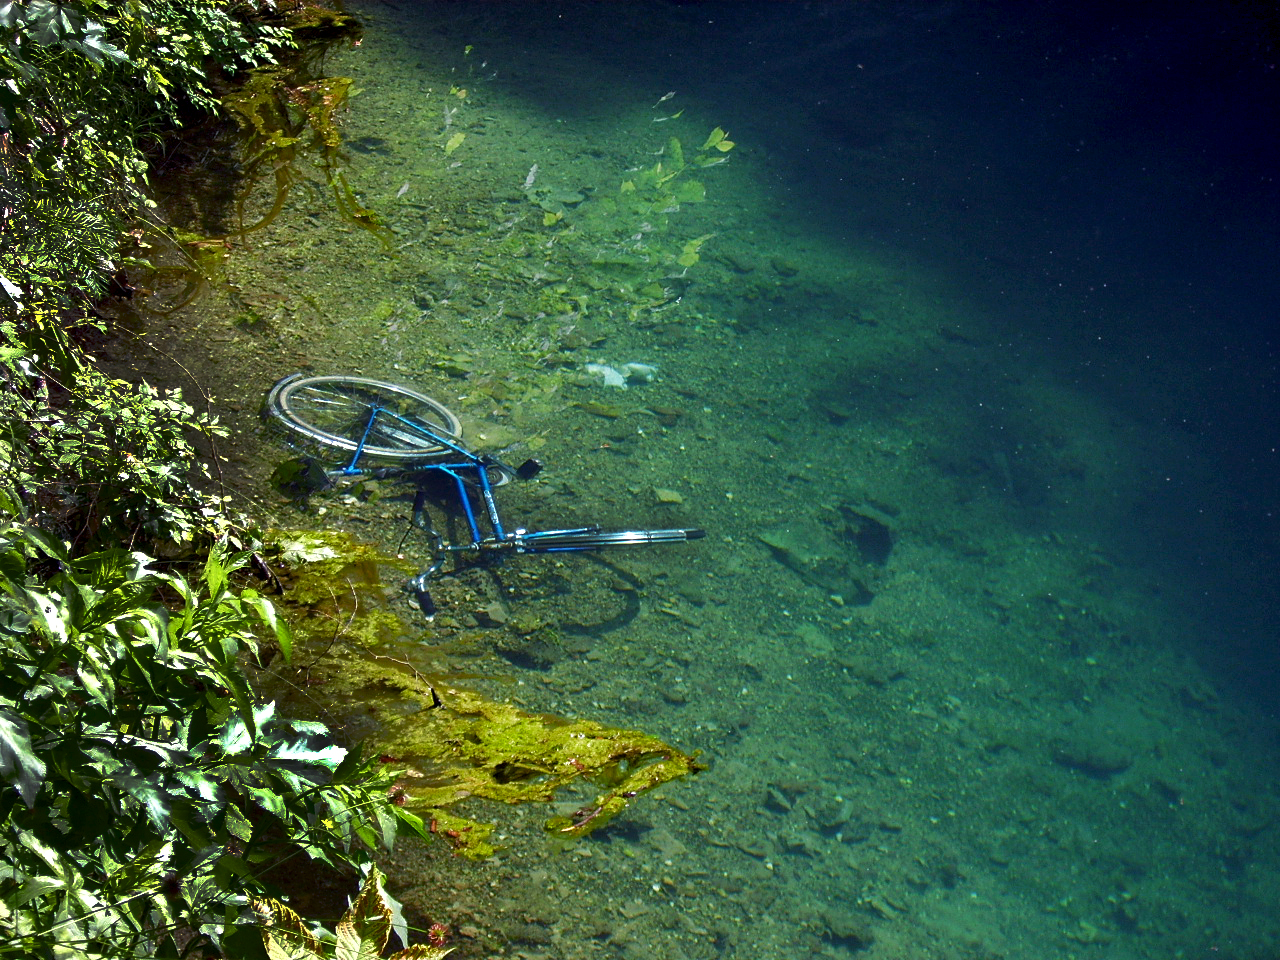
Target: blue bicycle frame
x=471, y=471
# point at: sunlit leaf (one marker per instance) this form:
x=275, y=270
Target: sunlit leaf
x=328, y=757
x=19, y=764
x=365, y=928
x=714, y=138
x=284, y=934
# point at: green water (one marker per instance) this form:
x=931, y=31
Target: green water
x=950, y=691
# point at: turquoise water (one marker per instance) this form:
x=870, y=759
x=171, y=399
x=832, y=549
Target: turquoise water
x=962, y=359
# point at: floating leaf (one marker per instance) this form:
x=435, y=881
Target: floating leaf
x=714, y=138
x=453, y=143
x=675, y=153
x=691, y=191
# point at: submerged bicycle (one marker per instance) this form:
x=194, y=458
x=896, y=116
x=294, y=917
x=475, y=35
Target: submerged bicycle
x=383, y=429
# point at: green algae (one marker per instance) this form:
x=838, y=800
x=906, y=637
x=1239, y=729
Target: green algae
x=459, y=744
x=381, y=682
x=282, y=120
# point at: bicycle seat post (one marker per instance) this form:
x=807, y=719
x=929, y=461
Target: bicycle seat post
x=486, y=491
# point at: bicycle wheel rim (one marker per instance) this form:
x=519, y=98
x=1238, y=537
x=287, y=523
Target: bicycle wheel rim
x=334, y=411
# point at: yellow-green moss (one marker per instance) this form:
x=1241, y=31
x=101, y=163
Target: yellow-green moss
x=453, y=743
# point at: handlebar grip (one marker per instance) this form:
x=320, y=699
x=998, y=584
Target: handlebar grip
x=418, y=587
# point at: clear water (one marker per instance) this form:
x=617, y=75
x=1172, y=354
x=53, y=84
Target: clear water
x=973, y=384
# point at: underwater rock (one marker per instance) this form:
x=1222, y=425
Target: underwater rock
x=639, y=372
x=629, y=374
x=811, y=551
x=370, y=145
x=802, y=843
x=844, y=929
x=1094, y=753
x=784, y=267
x=870, y=530
x=875, y=671
x=776, y=801
x=666, y=416
x=609, y=411
x=831, y=814
x=494, y=614
x=735, y=261
x=540, y=650
x=610, y=376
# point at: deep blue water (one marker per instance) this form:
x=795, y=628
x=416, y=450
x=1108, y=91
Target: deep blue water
x=1103, y=179
x=998, y=277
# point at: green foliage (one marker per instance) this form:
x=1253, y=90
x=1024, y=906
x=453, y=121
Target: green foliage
x=147, y=790
x=361, y=934
x=144, y=790
x=99, y=459
x=87, y=84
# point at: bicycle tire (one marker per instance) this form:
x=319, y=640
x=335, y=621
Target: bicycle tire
x=572, y=540
x=333, y=411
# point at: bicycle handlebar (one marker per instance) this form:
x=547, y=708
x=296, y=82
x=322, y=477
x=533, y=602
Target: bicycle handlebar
x=589, y=538
x=546, y=541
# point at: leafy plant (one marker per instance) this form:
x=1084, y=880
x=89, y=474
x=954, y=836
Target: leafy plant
x=148, y=791
x=145, y=792
x=361, y=934
x=88, y=85
x=97, y=458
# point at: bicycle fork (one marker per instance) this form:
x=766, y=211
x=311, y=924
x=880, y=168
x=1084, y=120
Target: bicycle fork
x=417, y=585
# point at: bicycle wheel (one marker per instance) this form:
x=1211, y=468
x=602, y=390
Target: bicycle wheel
x=335, y=412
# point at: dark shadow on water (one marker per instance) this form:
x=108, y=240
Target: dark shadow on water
x=1095, y=182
